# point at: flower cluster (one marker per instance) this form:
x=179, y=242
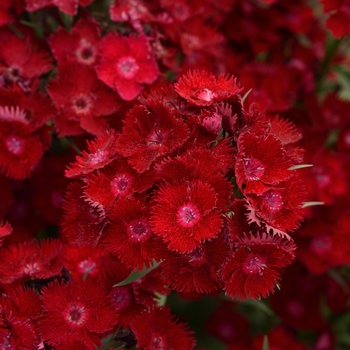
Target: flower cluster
x=160, y=156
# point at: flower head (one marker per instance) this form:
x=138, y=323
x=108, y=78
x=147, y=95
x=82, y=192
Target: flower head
x=79, y=311
x=203, y=89
x=185, y=214
x=126, y=64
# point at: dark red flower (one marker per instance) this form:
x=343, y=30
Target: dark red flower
x=79, y=311
x=252, y=270
x=20, y=150
x=102, y=151
x=30, y=260
x=126, y=64
x=130, y=234
x=204, y=89
x=157, y=329
x=83, y=221
x=279, y=338
x=150, y=132
x=195, y=271
x=185, y=214
x=21, y=60
x=77, y=46
x=70, y=7
x=82, y=100
x=338, y=21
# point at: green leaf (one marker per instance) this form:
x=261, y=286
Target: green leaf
x=265, y=343
x=311, y=204
x=246, y=95
x=136, y=275
x=259, y=305
x=67, y=20
x=300, y=166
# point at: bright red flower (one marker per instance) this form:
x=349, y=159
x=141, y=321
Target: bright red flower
x=20, y=150
x=130, y=234
x=9, y=9
x=201, y=88
x=280, y=207
x=30, y=260
x=261, y=160
x=185, y=214
x=82, y=100
x=158, y=329
x=149, y=132
x=79, y=311
x=83, y=221
x=78, y=45
x=118, y=180
x=126, y=64
x=21, y=60
x=252, y=270
x=102, y=151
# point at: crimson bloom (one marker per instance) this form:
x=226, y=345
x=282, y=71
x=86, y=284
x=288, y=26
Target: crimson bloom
x=203, y=89
x=149, y=132
x=129, y=233
x=77, y=46
x=30, y=260
x=126, y=64
x=185, y=214
x=79, y=311
x=102, y=151
x=251, y=272
x=21, y=60
x=157, y=329
x=82, y=100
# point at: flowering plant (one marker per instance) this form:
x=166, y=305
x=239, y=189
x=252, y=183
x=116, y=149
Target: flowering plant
x=157, y=159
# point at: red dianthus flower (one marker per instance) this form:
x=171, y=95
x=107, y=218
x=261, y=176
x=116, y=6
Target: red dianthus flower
x=157, y=329
x=126, y=63
x=77, y=311
x=185, y=214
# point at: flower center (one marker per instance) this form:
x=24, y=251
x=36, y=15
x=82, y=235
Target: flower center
x=82, y=104
x=15, y=145
x=206, y=95
x=254, y=264
x=197, y=256
x=121, y=184
x=139, y=230
x=120, y=298
x=76, y=314
x=273, y=200
x=127, y=67
x=159, y=342
x=97, y=157
x=254, y=169
x=87, y=266
x=188, y=215
x=86, y=53
x=11, y=113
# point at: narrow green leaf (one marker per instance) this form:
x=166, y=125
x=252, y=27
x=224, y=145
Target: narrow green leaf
x=266, y=343
x=300, y=166
x=135, y=275
x=311, y=204
x=259, y=305
x=246, y=95
x=67, y=20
